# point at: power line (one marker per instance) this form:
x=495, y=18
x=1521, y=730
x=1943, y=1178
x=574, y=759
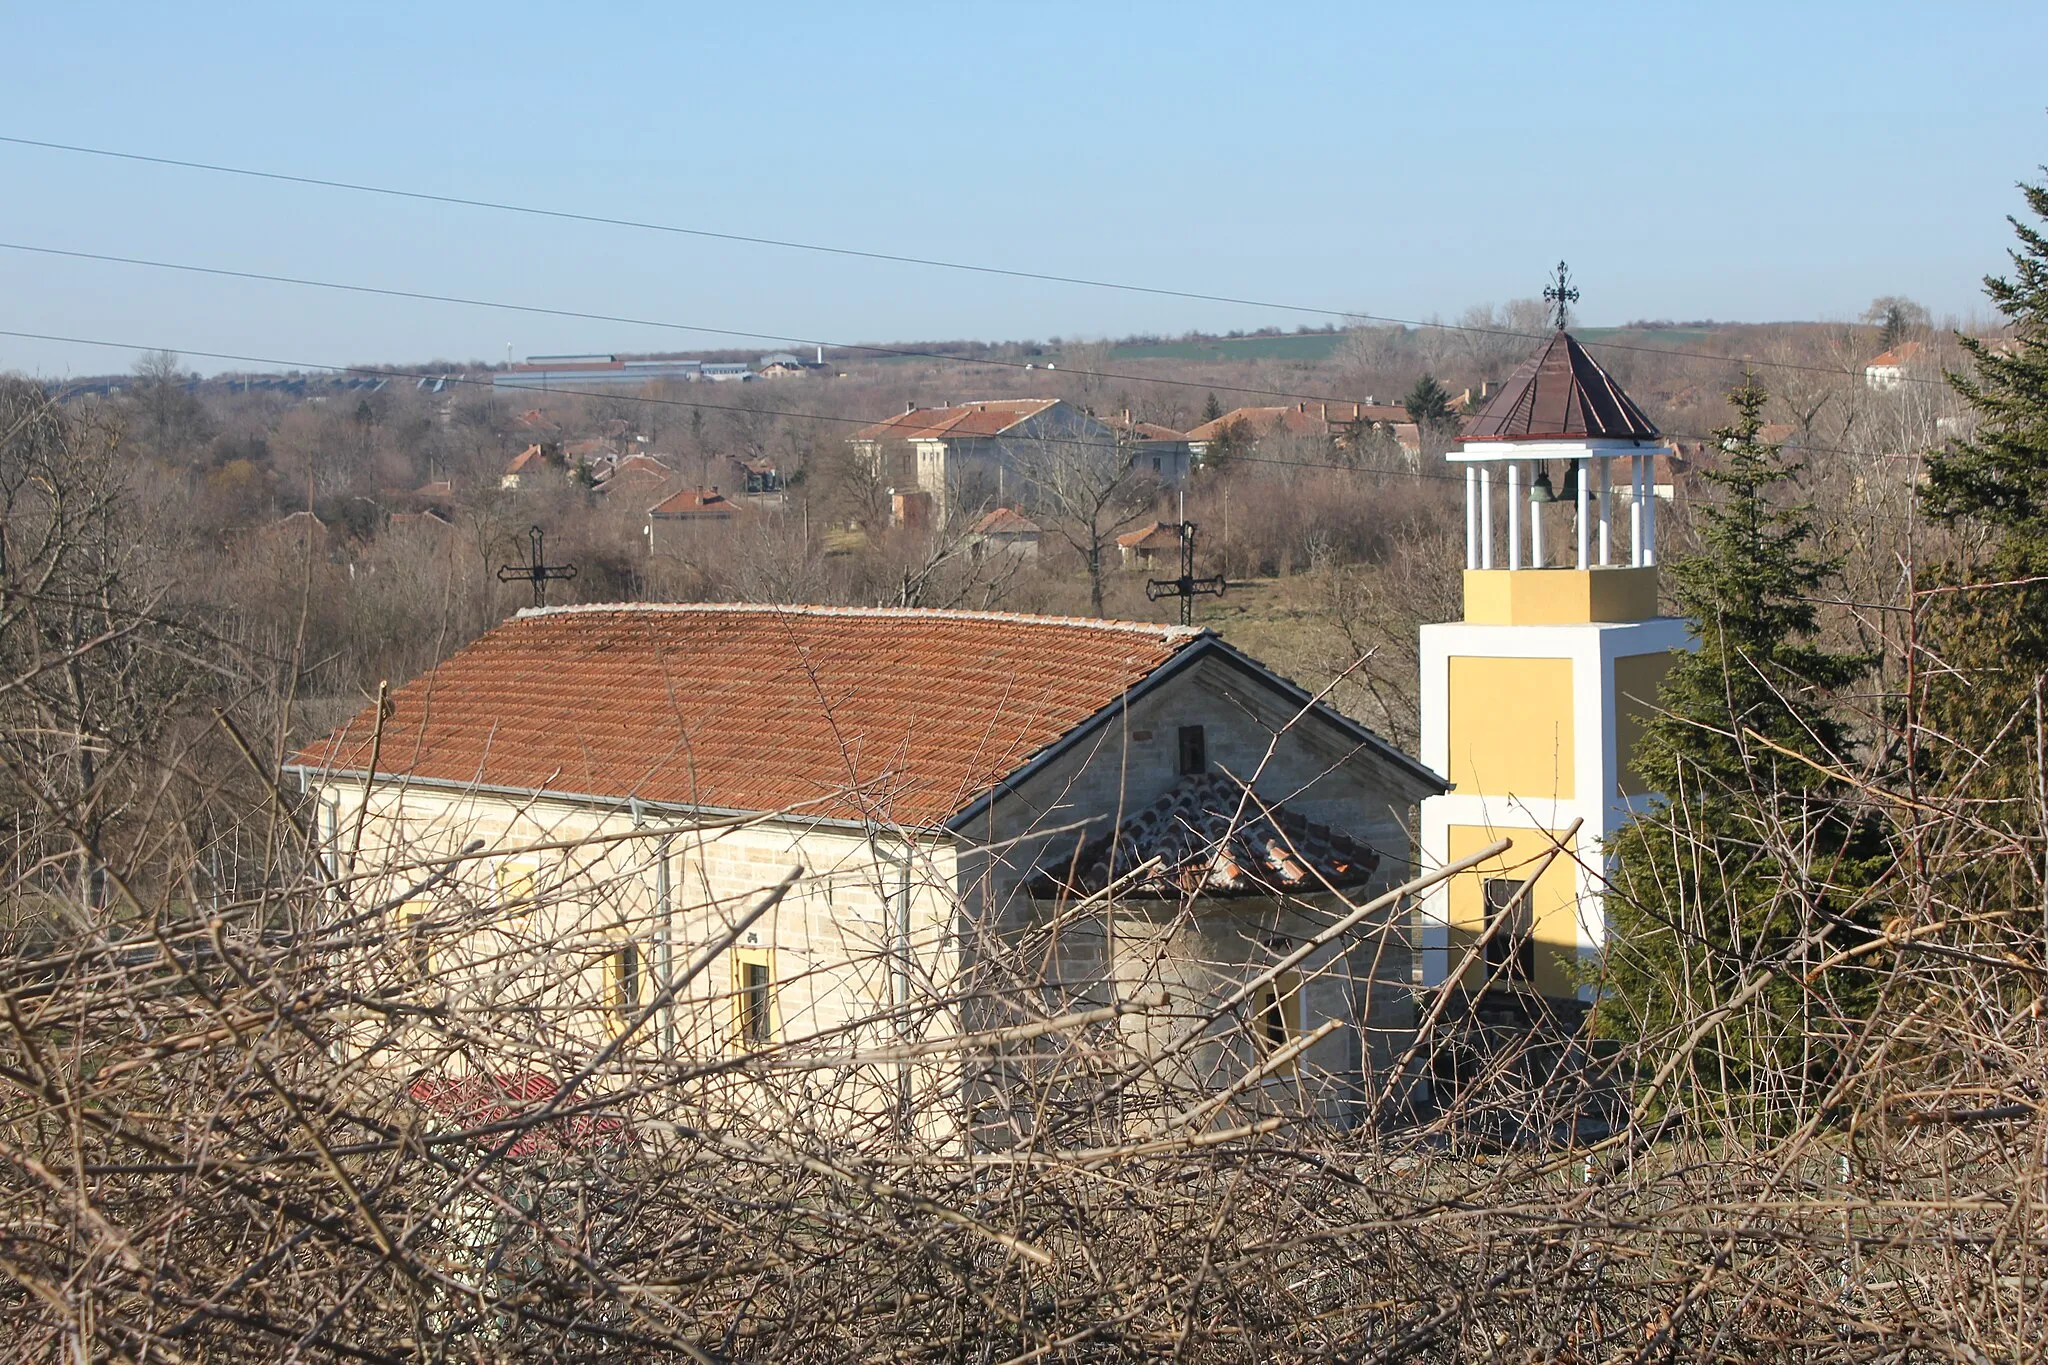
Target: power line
x=421, y=296
x=785, y=244
x=386, y=372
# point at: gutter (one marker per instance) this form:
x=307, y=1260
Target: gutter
x=623, y=804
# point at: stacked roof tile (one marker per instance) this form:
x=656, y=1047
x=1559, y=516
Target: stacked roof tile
x=895, y=715
x=1213, y=838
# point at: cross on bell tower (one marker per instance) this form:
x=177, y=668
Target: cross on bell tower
x=1561, y=293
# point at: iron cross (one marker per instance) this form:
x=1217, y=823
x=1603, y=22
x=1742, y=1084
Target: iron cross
x=536, y=570
x=1562, y=294
x=1187, y=587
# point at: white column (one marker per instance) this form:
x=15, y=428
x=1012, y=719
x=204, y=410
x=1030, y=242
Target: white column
x=1471, y=516
x=1606, y=514
x=1635, y=511
x=1514, y=514
x=1536, y=560
x=1582, y=476
x=1649, y=509
x=1485, y=516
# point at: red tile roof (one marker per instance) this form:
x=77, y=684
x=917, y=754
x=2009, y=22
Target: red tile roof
x=525, y=460
x=898, y=715
x=1306, y=419
x=1898, y=357
x=1153, y=535
x=1006, y=521
x=694, y=502
x=990, y=417
x=1139, y=430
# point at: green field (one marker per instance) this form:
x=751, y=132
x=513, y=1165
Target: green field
x=1665, y=338
x=1309, y=347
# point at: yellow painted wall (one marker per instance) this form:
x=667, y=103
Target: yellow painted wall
x=1636, y=677
x=1511, y=727
x=1557, y=597
x=1553, y=903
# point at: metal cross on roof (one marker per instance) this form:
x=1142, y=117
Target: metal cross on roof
x=1187, y=587
x=1562, y=294
x=536, y=570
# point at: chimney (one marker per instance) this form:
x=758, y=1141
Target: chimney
x=1301, y=407
x=909, y=406
x=1326, y=412
x=1354, y=412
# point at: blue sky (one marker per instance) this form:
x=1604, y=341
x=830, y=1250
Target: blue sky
x=1728, y=160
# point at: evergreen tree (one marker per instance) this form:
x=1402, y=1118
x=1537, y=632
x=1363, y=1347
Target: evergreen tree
x=1428, y=403
x=1994, y=639
x=1212, y=409
x=1751, y=846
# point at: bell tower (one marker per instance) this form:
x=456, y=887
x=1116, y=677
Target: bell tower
x=1531, y=705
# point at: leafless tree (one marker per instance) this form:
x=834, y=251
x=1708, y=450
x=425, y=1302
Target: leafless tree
x=1087, y=490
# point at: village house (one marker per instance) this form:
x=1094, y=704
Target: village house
x=1887, y=371
x=1167, y=453
x=672, y=522
x=1342, y=426
x=616, y=781
x=1151, y=545
x=535, y=465
x=636, y=475
x=968, y=454
x=1004, y=531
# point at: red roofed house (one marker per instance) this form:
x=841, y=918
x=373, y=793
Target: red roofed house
x=1346, y=426
x=669, y=521
x=1888, y=371
x=530, y=466
x=613, y=785
x=967, y=454
x=1155, y=542
x=1005, y=530
x=1165, y=452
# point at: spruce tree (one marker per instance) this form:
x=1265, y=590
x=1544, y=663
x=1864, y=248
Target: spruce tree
x=1212, y=409
x=1428, y=403
x=1988, y=623
x=1753, y=844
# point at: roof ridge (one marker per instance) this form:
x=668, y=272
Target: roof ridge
x=1160, y=630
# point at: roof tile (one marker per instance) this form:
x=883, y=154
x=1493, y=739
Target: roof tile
x=897, y=715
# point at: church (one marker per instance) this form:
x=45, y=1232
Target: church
x=563, y=822
x=566, y=813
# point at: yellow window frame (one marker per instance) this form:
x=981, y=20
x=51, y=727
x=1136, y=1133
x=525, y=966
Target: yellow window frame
x=1275, y=1019
x=626, y=979
x=518, y=883
x=756, y=1020
x=415, y=949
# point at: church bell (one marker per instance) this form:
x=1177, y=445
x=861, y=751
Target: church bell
x=1540, y=490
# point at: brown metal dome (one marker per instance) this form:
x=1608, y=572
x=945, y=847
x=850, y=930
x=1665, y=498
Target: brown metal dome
x=1560, y=393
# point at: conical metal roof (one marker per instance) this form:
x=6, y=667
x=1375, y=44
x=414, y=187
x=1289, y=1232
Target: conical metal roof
x=1560, y=393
